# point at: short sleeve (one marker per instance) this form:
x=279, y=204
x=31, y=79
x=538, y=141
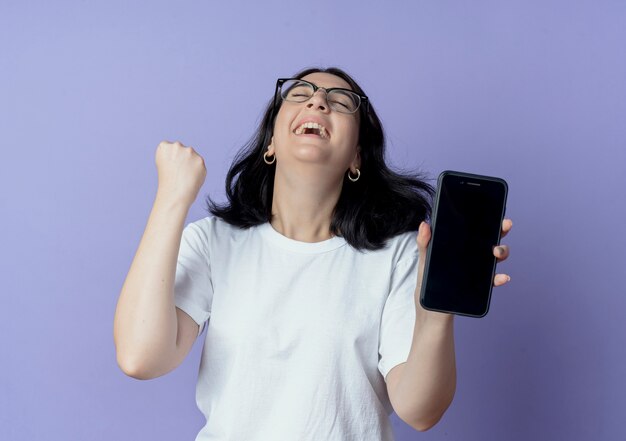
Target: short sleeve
x=398, y=317
x=193, y=289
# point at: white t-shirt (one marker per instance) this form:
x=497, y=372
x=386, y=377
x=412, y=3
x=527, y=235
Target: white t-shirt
x=300, y=335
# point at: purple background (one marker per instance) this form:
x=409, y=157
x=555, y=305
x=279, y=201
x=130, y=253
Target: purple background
x=534, y=92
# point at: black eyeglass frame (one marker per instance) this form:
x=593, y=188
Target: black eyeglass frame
x=281, y=81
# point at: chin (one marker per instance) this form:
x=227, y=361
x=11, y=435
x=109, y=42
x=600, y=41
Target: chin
x=311, y=153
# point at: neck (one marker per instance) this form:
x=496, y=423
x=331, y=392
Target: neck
x=302, y=205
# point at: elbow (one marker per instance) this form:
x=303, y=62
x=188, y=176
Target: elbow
x=140, y=365
x=132, y=371
x=421, y=423
x=426, y=419
x=424, y=424
x=133, y=368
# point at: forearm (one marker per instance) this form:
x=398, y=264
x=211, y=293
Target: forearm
x=145, y=324
x=428, y=381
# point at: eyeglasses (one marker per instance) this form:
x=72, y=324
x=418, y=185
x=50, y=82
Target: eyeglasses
x=340, y=100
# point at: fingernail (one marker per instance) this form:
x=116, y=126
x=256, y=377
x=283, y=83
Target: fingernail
x=508, y=278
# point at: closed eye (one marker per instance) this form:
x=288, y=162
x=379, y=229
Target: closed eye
x=344, y=105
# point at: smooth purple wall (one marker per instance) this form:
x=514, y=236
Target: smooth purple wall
x=531, y=91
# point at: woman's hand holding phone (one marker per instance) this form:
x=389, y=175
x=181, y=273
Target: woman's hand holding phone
x=500, y=252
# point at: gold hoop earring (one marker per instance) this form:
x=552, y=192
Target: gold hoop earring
x=358, y=175
x=269, y=162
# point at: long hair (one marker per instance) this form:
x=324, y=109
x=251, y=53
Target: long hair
x=380, y=205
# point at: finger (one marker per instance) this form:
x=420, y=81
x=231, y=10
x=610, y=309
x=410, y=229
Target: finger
x=501, y=279
x=501, y=252
x=423, y=236
x=507, y=224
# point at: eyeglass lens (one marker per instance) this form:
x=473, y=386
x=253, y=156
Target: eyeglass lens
x=339, y=100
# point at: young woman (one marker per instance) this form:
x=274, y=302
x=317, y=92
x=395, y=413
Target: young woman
x=307, y=279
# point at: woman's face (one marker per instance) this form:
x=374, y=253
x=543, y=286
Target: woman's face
x=334, y=147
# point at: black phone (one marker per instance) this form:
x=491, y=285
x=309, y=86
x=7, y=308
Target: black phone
x=466, y=225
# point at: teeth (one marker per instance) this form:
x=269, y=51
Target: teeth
x=312, y=125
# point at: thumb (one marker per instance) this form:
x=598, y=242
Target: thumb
x=423, y=237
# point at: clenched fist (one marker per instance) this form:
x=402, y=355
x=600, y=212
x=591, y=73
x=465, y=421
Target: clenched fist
x=181, y=172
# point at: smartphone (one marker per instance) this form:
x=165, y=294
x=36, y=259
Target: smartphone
x=466, y=225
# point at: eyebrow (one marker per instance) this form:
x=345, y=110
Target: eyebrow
x=327, y=88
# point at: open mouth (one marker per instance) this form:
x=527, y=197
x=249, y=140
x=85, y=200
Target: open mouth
x=311, y=128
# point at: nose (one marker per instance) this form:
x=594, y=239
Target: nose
x=317, y=101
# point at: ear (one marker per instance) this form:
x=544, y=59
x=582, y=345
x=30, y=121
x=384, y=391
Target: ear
x=356, y=162
x=270, y=147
